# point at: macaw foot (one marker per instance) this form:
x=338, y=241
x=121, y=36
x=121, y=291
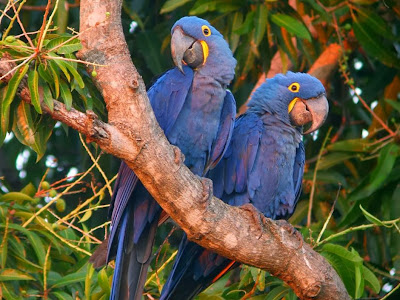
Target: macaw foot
x=289, y=227
x=179, y=156
x=207, y=190
x=259, y=218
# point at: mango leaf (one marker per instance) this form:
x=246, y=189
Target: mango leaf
x=86, y=216
x=277, y=293
x=171, y=5
x=359, y=281
x=70, y=47
x=247, y=25
x=8, y=99
x=61, y=295
x=70, y=278
x=48, y=97
x=374, y=45
x=29, y=189
x=102, y=279
x=375, y=22
x=11, y=274
x=201, y=7
x=33, y=84
x=237, y=21
x=343, y=268
x=17, y=197
x=394, y=104
x=45, y=73
x=371, y=279
x=292, y=25
x=260, y=20
x=66, y=94
x=71, y=68
x=60, y=64
x=351, y=145
x=342, y=252
x=28, y=133
x=56, y=78
x=331, y=159
x=372, y=218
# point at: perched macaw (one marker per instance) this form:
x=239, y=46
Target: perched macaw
x=196, y=111
x=263, y=166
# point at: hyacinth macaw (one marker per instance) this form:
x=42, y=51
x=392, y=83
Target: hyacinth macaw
x=196, y=111
x=263, y=166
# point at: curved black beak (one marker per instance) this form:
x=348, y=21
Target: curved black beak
x=185, y=49
x=314, y=110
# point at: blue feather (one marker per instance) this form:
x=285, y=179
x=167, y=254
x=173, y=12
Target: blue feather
x=263, y=165
x=196, y=113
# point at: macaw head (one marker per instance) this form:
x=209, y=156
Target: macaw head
x=195, y=43
x=295, y=98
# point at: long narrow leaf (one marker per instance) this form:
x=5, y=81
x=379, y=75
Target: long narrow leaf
x=8, y=99
x=33, y=84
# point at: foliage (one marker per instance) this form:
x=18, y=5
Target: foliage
x=356, y=170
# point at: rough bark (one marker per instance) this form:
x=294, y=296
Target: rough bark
x=133, y=134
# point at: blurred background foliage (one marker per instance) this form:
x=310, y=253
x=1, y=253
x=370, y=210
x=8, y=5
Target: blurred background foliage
x=54, y=193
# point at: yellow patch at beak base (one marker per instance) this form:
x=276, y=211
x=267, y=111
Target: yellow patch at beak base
x=291, y=104
x=205, y=51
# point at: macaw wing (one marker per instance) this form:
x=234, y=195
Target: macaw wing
x=224, y=134
x=124, y=186
x=231, y=175
x=298, y=171
x=167, y=96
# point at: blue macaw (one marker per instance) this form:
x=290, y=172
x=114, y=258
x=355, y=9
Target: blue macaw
x=196, y=111
x=263, y=166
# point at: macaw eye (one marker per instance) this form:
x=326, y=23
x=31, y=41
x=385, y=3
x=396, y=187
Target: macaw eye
x=294, y=87
x=206, y=30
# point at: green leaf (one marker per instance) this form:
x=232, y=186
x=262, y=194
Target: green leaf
x=292, y=25
x=17, y=197
x=102, y=279
x=374, y=45
x=74, y=73
x=11, y=274
x=359, y=281
x=60, y=63
x=371, y=217
x=394, y=104
x=342, y=252
x=277, y=293
x=48, y=97
x=29, y=189
x=56, y=78
x=201, y=7
x=33, y=84
x=70, y=47
x=171, y=5
x=332, y=159
x=70, y=278
x=351, y=145
x=66, y=94
x=8, y=99
x=86, y=216
x=29, y=134
x=247, y=25
x=374, y=22
x=45, y=73
x=260, y=20
x=371, y=279
x=61, y=295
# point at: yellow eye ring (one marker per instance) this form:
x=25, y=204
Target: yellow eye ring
x=294, y=87
x=206, y=30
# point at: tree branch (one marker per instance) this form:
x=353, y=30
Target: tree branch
x=134, y=135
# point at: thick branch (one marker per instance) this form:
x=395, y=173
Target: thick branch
x=134, y=135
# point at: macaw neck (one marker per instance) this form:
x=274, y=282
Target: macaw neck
x=274, y=121
x=220, y=64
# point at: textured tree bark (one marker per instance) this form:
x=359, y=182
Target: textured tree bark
x=133, y=135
